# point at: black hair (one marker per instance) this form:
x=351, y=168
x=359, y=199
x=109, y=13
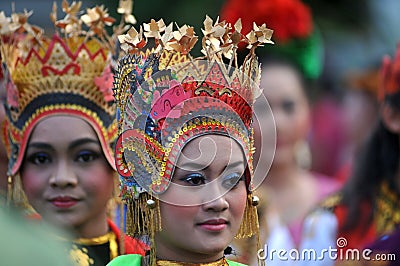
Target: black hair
x=376, y=162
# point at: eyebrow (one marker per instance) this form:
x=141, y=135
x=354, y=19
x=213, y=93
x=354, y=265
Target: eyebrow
x=193, y=165
x=82, y=141
x=72, y=145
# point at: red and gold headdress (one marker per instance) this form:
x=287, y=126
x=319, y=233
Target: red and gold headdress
x=68, y=73
x=166, y=98
x=390, y=76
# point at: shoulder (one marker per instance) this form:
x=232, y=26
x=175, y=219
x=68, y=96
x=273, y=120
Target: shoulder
x=132, y=245
x=126, y=260
x=326, y=185
x=234, y=263
x=331, y=202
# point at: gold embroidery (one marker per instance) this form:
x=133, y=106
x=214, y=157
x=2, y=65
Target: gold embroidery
x=107, y=238
x=80, y=257
x=387, y=215
x=95, y=240
x=331, y=201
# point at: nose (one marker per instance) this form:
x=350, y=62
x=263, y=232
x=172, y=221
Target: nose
x=215, y=199
x=63, y=176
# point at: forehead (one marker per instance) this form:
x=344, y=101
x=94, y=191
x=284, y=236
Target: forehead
x=62, y=128
x=279, y=81
x=211, y=148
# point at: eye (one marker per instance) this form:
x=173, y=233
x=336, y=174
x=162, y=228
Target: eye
x=232, y=180
x=86, y=156
x=39, y=158
x=194, y=179
x=288, y=106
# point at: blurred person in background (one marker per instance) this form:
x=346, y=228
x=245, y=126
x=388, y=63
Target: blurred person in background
x=290, y=190
x=360, y=112
x=367, y=208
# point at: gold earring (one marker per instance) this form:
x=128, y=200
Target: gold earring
x=151, y=203
x=255, y=200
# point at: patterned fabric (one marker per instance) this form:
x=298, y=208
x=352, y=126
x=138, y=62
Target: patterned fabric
x=385, y=219
x=101, y=250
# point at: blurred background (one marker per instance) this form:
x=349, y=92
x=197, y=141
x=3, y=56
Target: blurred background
x=355, y=33
x=352, y=37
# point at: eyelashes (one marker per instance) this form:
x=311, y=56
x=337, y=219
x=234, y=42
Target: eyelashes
x=43, y=158
x=87, y=156
x=197, y=179
x=39, y=158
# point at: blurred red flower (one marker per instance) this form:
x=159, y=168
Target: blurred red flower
x=288, y=18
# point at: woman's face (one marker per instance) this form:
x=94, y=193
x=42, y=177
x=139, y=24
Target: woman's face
x=290, y=109
x=211, y=166
x=65, y=174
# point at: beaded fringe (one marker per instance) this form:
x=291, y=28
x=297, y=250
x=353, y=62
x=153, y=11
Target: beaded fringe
x=143, y=220
x=250, y=226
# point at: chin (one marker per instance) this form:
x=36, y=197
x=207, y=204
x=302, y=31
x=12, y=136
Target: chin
x=62, y=221
x=212, y=247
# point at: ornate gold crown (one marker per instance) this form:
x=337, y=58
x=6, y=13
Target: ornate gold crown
x=68, y=73
x=166, y=97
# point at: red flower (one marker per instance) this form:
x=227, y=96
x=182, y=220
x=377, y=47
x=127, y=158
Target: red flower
x=288, y=19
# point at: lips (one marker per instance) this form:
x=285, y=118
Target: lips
x=214, y=225
x=63, y=202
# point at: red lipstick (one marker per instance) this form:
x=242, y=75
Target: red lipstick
x=214, y=225
x=64, y=202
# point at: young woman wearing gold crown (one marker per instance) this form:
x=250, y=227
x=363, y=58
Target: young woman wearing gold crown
x=185, y=147
x=60, y=128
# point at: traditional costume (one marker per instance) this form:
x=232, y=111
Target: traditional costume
x=165, y=99
x=69, y=74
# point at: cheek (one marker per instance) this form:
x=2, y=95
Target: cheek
x=98, y=180
x=33, y=182
x=237, y=202
x=296, y=125
x=171, y=213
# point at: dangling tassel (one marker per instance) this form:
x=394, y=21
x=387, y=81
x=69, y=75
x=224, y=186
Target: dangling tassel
x=249, y=225
x=144, y=218
x=121, y=225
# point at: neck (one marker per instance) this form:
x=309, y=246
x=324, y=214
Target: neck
x=282, y=175
x=171, y=252
x=94, y=228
